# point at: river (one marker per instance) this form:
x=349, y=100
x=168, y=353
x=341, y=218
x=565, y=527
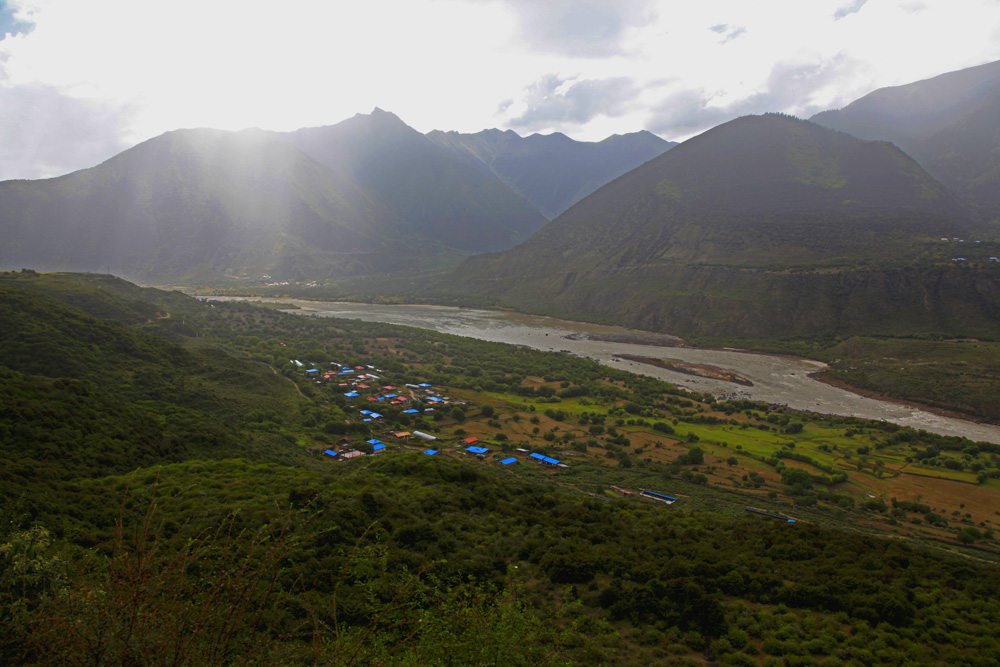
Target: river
x=776, y=379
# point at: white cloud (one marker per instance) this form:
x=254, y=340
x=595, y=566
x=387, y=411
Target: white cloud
x=138, y=69
x=584, y=28
x=851, y=8
x=554, y=101
x=44, y=133
x=728, y=32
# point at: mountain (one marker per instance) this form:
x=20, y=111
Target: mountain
x=199, y=204
x=367, y=196
x=552, y=171
x=948, y=123
x=762, y=226
x=434, y=191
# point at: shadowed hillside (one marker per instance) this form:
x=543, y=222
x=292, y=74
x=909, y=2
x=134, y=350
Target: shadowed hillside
x=434, y=191
x=948, y=123
x=552, y=171
x=199, y=204
x=764, y=226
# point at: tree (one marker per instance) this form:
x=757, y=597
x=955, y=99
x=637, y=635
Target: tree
x=796, y=477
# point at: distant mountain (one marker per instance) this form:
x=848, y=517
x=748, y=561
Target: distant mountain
x=199, y=204
x=367, y=196
x=714, y=237
x=757, y=191
x=430, y=187
x=552, y=171
x=949, y=123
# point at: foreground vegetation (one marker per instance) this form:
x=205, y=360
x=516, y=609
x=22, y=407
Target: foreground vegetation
x=166, y=500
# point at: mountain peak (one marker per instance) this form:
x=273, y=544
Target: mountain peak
x=378, y=112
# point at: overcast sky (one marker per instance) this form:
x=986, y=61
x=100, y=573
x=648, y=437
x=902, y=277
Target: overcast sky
x=81, y=80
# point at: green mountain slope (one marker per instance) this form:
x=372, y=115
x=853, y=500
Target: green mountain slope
x=948, y=123
x=135, y=530
x=90, y=390
x=763, y=226
x=429, y=187
x=200, y=204
x=552, y=171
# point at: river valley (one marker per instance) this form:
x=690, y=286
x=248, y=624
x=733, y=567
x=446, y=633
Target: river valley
x=775, y=379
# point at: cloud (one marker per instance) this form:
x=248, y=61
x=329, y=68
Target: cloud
x=852, y=8
x=15, y=20
x=580, y=28
x=684, y=113
x=44, y=133
x=728, y=32
x=914, y=7
x=552, y=101
x=791, y=87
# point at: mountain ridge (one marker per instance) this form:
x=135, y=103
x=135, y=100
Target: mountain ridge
x=427, y=186
x=776, y=241
x=193, y=204
x=553, y=171
x=948, y=123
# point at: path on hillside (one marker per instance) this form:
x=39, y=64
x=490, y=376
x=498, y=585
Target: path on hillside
x=294, y=383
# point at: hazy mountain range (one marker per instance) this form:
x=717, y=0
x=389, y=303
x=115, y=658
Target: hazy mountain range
x=950, y=124
x=763, y=226
x=368, y=195
x=438, y=195
x=552, y=171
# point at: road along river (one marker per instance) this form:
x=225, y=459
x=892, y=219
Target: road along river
x=776, y=379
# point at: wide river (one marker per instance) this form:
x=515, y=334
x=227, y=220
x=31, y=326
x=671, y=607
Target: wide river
x=776, y=379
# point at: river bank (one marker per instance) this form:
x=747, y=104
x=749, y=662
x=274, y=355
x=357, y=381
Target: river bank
x=821, y=376
x=778, y=379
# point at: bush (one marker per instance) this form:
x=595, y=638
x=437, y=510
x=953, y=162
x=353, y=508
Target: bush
x=664, y=428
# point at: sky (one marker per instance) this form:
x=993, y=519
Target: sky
x=83, y=80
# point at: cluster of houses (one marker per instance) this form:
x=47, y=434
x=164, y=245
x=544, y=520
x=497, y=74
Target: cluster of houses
x=955, y=239
x=474, y=446
x=361, y=382
x=363, y=385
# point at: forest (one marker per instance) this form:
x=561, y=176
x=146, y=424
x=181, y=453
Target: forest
x=167, y=498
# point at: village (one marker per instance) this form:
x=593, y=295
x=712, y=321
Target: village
x=363, y=390
x=362, y=387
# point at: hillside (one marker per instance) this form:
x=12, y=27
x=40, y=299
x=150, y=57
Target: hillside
x=200, y=516
x=137, y=529
x=429, y=187
x=948, y=123
x=197, y=205
x=552, y=171
x=766, y=226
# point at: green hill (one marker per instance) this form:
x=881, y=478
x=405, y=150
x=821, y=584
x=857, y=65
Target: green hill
x=163, y=499
x=766, y=226
x=948, y=123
